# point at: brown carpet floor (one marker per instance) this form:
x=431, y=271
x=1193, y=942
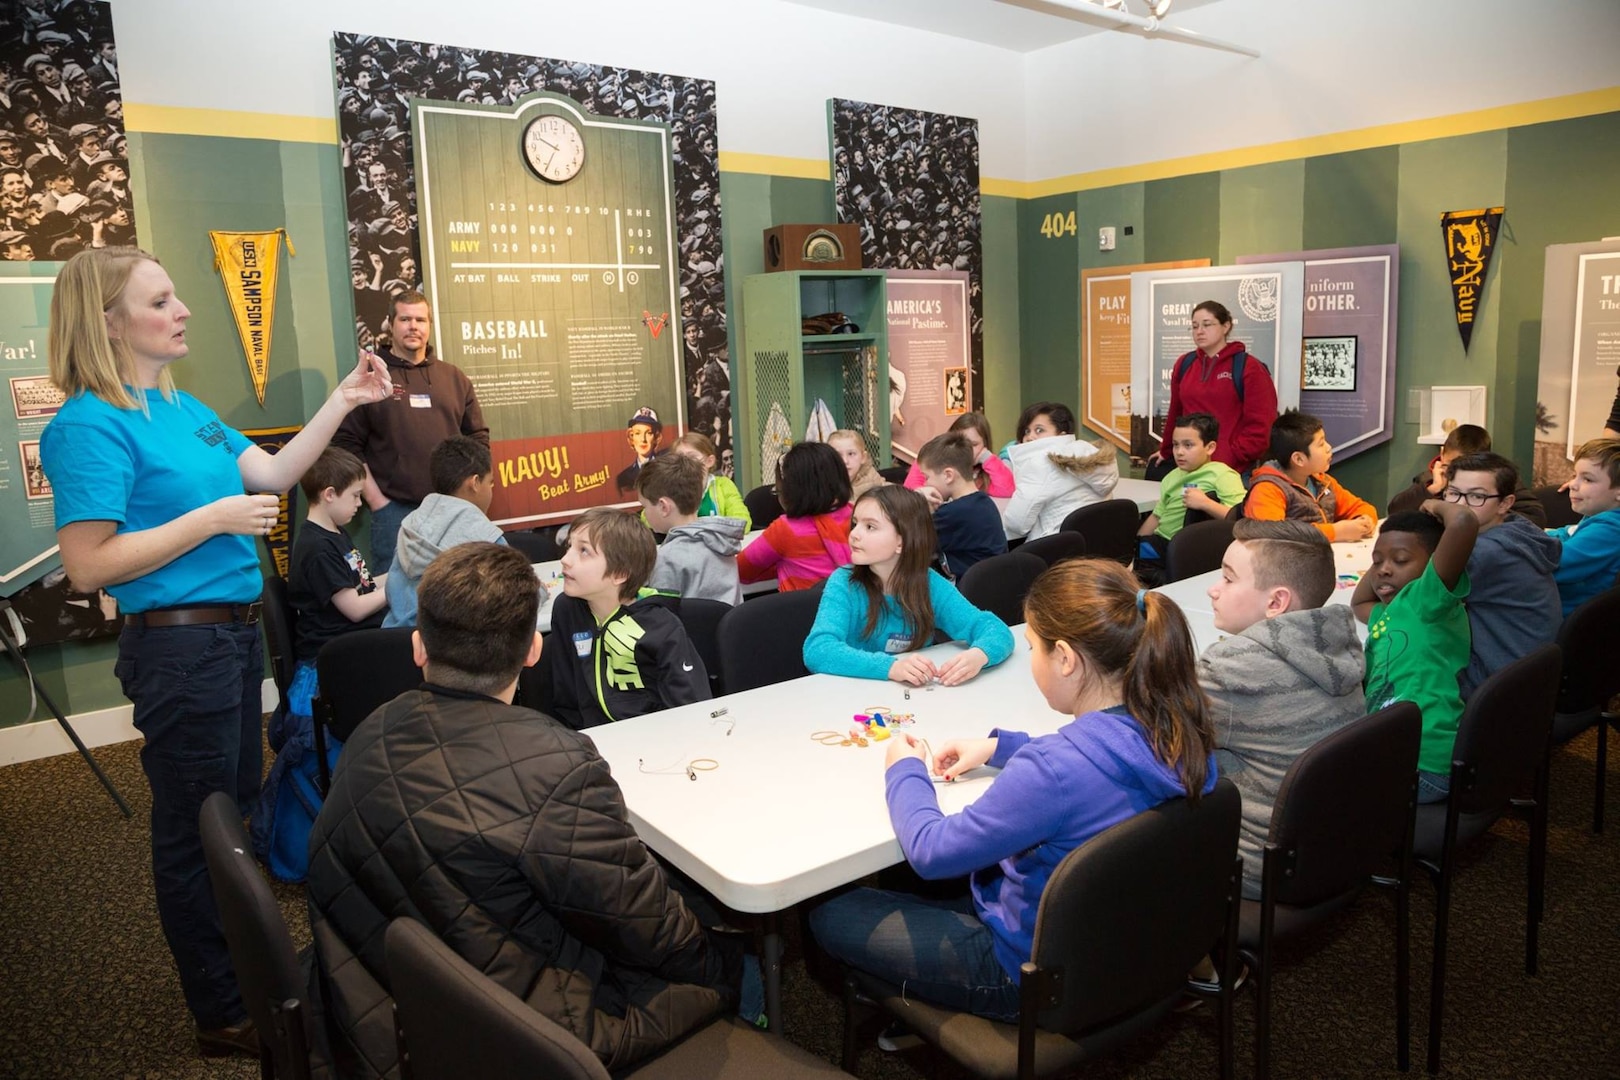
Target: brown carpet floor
x=87, y=987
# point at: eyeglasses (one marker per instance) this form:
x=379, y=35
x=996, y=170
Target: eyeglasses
x=1204, y=325
x=1472, y=498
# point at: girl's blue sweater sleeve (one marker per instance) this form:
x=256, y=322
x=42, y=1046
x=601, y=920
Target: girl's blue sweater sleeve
x=832, y=647
x=966, y=623
x=1021, y=808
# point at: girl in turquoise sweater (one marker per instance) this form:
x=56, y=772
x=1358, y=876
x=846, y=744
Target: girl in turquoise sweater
x=876, y=614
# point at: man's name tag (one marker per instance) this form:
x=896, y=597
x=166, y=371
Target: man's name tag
x=421, y=401
x=582, y=643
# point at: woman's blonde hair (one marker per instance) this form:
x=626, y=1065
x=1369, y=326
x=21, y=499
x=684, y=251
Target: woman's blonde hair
x=82, y=355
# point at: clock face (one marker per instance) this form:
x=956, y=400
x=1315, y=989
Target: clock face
x=554, y=149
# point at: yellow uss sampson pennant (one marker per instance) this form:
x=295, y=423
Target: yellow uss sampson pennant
x=248, y=262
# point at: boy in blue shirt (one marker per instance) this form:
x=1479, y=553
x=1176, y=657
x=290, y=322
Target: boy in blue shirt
x=966, y=522
x=1197, y=483
x=1591, y=556
x=1418, y=640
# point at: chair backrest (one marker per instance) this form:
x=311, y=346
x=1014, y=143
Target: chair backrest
x=998, y=584
x=763, y=507
x=279, y=633
x=534, y=546
x=1109, y=528
x=536, y=682
x=895, y=474
x=261, y=947
x=1128, y=913
x=1502, y=737
x=361, y=670
x=1590, y=638
x=761, y=641
x=456, y=1022
x=1055, y=548
x=1344, y=804
x=1556, y=504
x=701, y=618
x=1198, y=548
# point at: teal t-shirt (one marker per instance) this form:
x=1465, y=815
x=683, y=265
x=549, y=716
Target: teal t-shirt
x=1218, y=480
x=141, y=470
x=1416, y=646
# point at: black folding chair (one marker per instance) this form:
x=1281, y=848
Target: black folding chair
x=762, y=642
x=1344, y=805
x=280, y=633
x=763, y=507
x=1000, y=583
x=454, y=1022
x=1590, y=639
x=358, y=672
x=1109, y=528
x=267, y=971
x=701, y=618
x=1059, y=547
x=1502, y=749
x=1123, y=919
x=1556, y=504
x=534, y=546
x=1198, y=549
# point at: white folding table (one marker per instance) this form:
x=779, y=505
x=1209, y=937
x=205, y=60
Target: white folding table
x=783, y=818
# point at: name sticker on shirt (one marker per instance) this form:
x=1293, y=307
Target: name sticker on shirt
x=582, y=643
x=897, y=643
x=421, y=401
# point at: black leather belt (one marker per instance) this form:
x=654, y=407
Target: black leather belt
x=197, y=615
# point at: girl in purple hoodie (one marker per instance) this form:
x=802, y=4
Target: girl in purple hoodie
x=1121, y=661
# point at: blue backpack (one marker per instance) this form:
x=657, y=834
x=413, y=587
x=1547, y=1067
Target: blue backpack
x=290, y=798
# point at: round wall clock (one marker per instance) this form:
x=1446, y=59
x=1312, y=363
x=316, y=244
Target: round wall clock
x=554, y=148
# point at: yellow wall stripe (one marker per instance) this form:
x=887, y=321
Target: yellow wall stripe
x=768, y=165
x=175, y=120
x=1439, y=127
x=228, y=124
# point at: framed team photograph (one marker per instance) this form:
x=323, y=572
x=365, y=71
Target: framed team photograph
x=1330, y=363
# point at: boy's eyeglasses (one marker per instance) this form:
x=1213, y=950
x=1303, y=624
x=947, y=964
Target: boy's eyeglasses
x=1472, y=498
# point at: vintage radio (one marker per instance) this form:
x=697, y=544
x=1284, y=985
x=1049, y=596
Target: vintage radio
x=813, y=247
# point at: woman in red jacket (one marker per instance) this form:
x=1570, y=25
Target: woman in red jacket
x=1206, y=380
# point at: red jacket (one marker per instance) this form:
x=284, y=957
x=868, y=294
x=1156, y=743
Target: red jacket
x=1207, y=387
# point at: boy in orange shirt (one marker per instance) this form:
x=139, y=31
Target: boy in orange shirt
x=1295, y=486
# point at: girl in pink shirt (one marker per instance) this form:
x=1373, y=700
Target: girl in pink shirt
x=994, y=479
x=811, y=538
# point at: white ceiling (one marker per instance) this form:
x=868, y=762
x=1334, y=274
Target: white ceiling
x=1019, y=25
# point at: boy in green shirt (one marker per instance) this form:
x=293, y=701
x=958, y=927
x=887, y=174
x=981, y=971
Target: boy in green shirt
x=1196, y=483
x=1418, y=640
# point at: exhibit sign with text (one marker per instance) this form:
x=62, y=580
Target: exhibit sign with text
x=1580, y=353
x=930, y=354
x=1266, y=302
x=27, y=509
x=1105, y=346
x=548, y=242
x=1348, y=363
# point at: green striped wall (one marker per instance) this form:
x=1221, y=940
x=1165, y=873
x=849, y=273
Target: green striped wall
x=1556, y=180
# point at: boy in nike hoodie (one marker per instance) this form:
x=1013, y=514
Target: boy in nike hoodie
x=618, y=650
x=699, y=555
x=1288, y=675
x=463, y=486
